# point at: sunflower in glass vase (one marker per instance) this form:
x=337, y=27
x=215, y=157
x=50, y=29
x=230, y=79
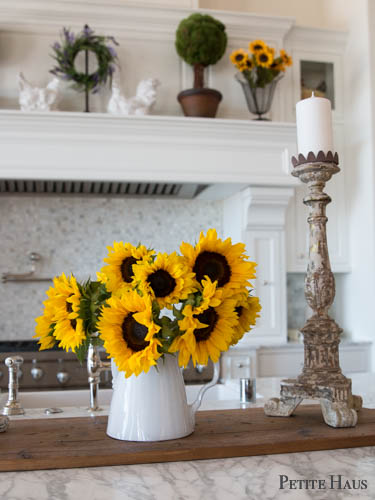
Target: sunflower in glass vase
x=259, y=72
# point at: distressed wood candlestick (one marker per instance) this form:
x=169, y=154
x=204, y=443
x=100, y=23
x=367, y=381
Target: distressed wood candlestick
x=321, y=377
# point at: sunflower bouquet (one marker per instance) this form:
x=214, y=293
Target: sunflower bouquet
x=147, y=305
x=259, y=64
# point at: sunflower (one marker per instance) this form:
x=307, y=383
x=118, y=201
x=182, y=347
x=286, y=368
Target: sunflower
x=206, y=333
x=219, y=260
x=45, y=323
x=264, y=58
x=257, y=45
x=247, y=65
x=44, y=331
x=287, y=60
x=60, y=321
x=247, y=309
x=238, y=57
x=278, y=65
x=128, y=331
x=167, y=279
x=118, y=274
x=65, y=303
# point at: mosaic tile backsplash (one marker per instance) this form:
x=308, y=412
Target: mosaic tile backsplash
x=71, y=234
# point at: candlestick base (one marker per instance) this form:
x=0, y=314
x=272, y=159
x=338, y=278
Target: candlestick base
x=339, y=406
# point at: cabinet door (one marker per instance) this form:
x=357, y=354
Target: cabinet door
x=266, y=247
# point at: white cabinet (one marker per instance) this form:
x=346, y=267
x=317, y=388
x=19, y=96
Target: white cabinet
x=318, y=65
x=238, y=363
x=266, y=247
x=287, y=360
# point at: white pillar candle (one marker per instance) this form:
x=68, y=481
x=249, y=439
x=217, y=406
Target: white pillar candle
x=314, y=125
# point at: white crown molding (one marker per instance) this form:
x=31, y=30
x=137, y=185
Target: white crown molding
x=266, y=206
x=325, y=41
x=79, y=146
x=128, y=20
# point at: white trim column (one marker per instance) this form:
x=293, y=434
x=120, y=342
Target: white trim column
x=256, y=216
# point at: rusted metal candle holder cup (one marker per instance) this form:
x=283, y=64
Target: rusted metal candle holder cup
x=321, y=377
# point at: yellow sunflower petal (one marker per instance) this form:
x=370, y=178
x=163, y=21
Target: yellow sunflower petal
x=128, y=331
x=118, y=273
x=257, y=45
x=207, y=331
x=264, y=58
x=61, y=310
x=167, y=279
x=220, y=261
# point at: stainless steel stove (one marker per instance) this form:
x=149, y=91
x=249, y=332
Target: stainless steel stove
x=54, y=369
x=50, y=369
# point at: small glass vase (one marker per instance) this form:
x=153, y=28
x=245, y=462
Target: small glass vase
x=259, y=99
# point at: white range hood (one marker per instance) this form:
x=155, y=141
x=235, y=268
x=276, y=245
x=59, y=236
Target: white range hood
x=60, y=152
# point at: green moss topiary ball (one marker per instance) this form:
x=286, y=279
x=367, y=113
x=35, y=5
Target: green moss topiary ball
x=201, y=39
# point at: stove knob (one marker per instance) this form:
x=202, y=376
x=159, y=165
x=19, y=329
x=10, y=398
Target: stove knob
x=62, y=377
x=37, y=373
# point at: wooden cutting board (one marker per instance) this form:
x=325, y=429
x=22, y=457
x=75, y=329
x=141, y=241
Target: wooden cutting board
x=82, y=442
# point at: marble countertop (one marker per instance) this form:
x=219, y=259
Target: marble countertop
x=225, y=479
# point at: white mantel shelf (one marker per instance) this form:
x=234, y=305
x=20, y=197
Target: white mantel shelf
x=79, y=146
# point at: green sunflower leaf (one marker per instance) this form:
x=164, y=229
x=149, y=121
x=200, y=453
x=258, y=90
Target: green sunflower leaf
x=155, y=310
x=81, y=351
x=177, y=313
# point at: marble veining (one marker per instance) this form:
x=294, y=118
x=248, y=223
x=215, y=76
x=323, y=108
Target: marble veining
x=72, y=233
x=250, y=478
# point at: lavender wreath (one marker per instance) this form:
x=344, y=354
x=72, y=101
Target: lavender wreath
x=66, y=51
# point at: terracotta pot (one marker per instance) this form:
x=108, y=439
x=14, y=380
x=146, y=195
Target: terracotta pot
x=200, y=102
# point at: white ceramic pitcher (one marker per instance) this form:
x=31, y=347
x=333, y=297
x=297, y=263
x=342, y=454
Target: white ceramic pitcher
x=153, y=406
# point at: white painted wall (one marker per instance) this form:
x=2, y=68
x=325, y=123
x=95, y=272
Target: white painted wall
x=330, y=14
x=371, y=166
x=359, y=286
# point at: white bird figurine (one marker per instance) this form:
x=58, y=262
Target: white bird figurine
x=140, y=104
x=37, y=98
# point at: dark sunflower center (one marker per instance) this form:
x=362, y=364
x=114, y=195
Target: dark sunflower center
x=69, y=308
x=239, y=310
x=127, y=269
x=239, y=57
x=258, y=47
x=263, y=57
x=162, y=283
x=213, y=265
x=208, y=317
x=134, y=334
